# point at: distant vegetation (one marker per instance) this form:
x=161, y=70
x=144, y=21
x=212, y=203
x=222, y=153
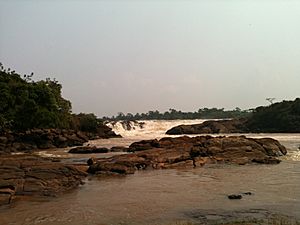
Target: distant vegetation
x=279, y=117
x=173, y=114
x=27, y=104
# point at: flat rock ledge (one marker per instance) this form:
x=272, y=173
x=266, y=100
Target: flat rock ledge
x=190, y=152
x=24, y=175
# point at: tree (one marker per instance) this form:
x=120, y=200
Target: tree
x=26, y=104
x=271, y=100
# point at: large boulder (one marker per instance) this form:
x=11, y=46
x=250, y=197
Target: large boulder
x=211, y=127
x=31, y=175
x=191, y=152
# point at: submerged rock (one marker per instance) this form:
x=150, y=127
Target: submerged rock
x=231, y=197
x=31, y=175
x=191, y=152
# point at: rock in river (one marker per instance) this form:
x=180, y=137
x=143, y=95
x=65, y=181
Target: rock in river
x=191, y=152
x=235, y=196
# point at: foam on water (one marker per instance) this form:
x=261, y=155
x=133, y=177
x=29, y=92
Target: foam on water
x=295, y=156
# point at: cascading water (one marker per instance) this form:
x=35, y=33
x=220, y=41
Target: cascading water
x=147, y=128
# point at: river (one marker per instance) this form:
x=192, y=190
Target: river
x=168, y=196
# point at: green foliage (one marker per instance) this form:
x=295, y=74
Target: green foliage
x=278, y=117
x=25, y=104
x=173, y=114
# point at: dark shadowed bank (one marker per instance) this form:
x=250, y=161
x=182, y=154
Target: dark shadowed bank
x=282, y=117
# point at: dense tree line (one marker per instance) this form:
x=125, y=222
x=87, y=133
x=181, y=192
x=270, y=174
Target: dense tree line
x=278, y=117
x=27, y=104
x=173, y=114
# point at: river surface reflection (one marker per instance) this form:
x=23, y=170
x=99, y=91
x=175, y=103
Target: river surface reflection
x=153, y=197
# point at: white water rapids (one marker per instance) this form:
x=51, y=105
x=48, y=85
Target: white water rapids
x=167, y=196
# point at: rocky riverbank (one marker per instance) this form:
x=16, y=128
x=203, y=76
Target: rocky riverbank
x=25, y=175
x=49, y=138
x=190, y=152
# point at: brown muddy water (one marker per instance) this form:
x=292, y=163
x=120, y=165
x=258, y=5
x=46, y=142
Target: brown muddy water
x=169, y=196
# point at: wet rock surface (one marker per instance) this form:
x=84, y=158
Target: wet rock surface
x=191, y=152
x=25, y=175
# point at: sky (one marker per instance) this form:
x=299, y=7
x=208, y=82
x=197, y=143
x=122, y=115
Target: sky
x=138, y=55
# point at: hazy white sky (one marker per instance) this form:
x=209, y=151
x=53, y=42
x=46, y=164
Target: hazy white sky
x=133, y=56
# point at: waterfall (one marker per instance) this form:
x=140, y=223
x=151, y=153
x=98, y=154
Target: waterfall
x=146, y=128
